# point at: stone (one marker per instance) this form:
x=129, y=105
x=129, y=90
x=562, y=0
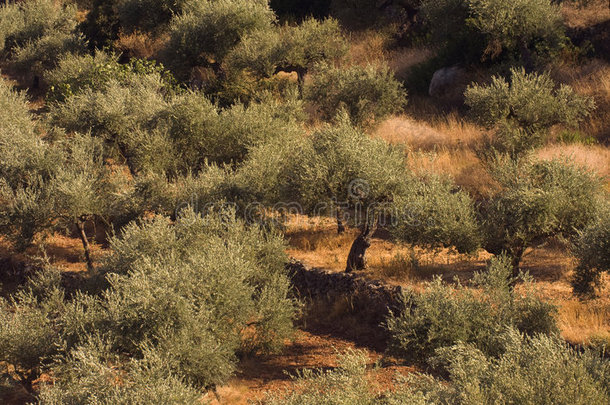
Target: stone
x=445, y=80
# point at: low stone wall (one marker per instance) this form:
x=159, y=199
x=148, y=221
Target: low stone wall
x=371, y=301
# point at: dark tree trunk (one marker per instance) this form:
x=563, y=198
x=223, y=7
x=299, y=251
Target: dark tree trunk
x=340, y=226
x=526, y=57
x=516, y=256
x=80, y=224
x=356, y=260
x=301, y=72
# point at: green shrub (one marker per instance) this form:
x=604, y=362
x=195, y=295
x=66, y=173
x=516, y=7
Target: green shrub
x=291, y=49
x=368, y=94
x=207, y=31
x=148, y=15
x=531, y=370
x=209, y=283
x=115, y=113
x=524, y=110
x=76, y=73
x=46, y=52
x=442, y=316
x=537, y=201
x=591, y=249
x=37, y=19
x=433, y=213
x=345, y=385
x=471, y=30
x=92, y=373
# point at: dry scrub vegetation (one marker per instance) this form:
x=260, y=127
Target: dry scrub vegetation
x=153, y=155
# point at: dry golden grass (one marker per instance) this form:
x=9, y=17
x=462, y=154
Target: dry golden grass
x=594, y=157
x=403, y=59
x=585, y=321
x=367, y=47
x=579, y=17
x=591, y=79
x=445, y=131
x=138, y=45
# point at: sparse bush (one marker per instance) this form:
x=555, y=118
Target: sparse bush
x=148, y=15
x=207, y=31
x=443, y=316
x=472, y=30
x=531, y=370
x=93, y=373
x=536, y=201
x=345, y=385
x=368, y=94
x=433, y=213
x=592, y=249
x=524, y=110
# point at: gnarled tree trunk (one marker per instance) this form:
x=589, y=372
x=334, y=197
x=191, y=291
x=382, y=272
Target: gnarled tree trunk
x=356, y=260
x=80, y=224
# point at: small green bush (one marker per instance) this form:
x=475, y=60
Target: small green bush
x=531, y=370
x=207, y=30
x=433, y=213
x=76, y=73
x=443, y=316
x=521, y=31
x=592, y=249
x=345, y=385
x=537, y=201
x=524, y=110
x=368, y=94
x=93, y=373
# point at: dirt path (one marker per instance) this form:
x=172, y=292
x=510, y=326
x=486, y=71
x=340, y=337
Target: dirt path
x=307, y=350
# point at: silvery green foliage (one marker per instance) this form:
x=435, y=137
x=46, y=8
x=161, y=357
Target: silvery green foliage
x=523, y=110
x=163, y=133
x=492, y=29
x=345, y=385
x=209, y=283
x=206, y=31
x=290, y=48
x=442, y=316
x=538, y=200
x=531, y=370
x=36, y=34
x=434, y=212
x=368, y=93
x=27, y=165
x=592, y=249
x=93, y=374
x=333, y=158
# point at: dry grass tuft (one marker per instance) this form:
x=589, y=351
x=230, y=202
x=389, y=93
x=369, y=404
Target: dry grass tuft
x=446, y=131
x=591, y=79
x=575, y=16
x=138, y=45
x=367, y=47
x=585, y=322
x=593, y=157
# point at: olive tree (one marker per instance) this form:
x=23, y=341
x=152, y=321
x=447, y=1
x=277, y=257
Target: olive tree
x=341, y=172
x=36, y=34
x=523, y=110
x=367, y=93
x=592, y=249
x=537, y=200
x=26, y=167
x=472, y=30
x=289, y=48
x=206, y=31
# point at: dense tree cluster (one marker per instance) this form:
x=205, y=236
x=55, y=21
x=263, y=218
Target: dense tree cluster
x=244, y=111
